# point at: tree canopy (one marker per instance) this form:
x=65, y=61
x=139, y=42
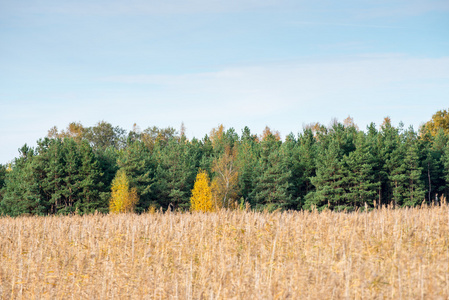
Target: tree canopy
x=338, y=167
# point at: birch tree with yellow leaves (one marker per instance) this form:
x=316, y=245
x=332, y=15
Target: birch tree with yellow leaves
x=225, y=182
x=201, y=199
x=123, y=198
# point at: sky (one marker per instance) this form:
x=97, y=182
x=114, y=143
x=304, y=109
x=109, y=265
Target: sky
x=255, y=63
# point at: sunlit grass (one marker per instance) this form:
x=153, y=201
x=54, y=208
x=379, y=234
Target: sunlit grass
x=230, y=254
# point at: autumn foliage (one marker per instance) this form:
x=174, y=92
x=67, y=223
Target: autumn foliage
x=439, y=121
x=337, y=167
x=123, y=198
x=225, y=182
x=201, y=199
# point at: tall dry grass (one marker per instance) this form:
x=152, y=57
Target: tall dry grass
x=228, y=255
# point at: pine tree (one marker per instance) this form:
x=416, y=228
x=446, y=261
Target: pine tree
x=445, y=161
x=175, y=173
x=22, y=191
x=272, y=188
x=415, y=190
x=137, y=162
x=247, y=156
x=431, y=151
x=91, y=185
x=405, y=172
x=375, y=142
x=329, y=180
x=307, y=165
x=3, y=171
x=360, y=181
x=201, y=199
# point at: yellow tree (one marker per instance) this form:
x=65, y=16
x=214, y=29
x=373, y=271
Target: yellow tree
x=268, y=132
x=74, y=130
x=440, y=120
x=201, y=199
x=349, y=122
x=224, y=184
x=123, y=199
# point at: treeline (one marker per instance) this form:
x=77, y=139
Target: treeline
x=338, y=167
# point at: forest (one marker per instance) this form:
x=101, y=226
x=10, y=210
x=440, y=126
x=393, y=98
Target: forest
x=337, y=167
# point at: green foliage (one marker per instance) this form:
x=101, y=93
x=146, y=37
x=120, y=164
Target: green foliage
x=137, y=163
x=338, y=167
x=272, y=181
x=60, y=176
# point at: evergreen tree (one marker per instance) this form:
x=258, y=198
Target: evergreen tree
x=293, y=162
x=445, y=161
x=90, y=183
x=306, y=168
x=22, y=192
x=272, y=181
x=376, y=148
x=175, y=175
x=391, y=155
x=329, y=180
x=136, y=161
x=247, y=156
x=405, y=172
x=431, y=149
x=360, y=182
x=107, y=164
x=3, y=171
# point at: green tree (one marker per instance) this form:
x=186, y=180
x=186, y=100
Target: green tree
x=272, y=182
x=136, y=161
x=22, y=192
x=445, y=161
x=431, y=150
x=329, y=179
x=176, y=167
x=360, y=180
x=3, y=172
x=104, y=135
x=246, y=159
x=405, y=172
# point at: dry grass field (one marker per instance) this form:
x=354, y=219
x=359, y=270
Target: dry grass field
x=383, y=254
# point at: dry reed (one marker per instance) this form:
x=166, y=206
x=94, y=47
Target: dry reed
x=382, y=254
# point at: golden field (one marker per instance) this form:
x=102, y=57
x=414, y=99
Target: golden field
x=383, y=254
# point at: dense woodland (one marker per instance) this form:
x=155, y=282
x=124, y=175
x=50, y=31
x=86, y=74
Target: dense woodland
x=337, y=167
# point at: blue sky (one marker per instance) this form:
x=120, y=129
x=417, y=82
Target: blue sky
x=206, y=62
